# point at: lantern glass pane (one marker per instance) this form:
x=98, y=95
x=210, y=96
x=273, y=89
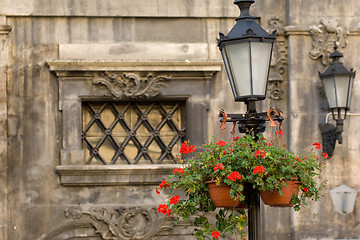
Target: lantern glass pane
x=234, y=87
x=239, y=62
x=350, y=90
x=260, y=61
x=342, y=90
x=329, y=85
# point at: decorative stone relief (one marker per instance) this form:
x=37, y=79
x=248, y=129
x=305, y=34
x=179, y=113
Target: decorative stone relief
x=133, y=223
x=325, y=35
x=131, y=85
x=278, y=66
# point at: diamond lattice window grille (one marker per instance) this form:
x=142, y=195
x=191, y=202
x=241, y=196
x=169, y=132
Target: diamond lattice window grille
x=148, y=132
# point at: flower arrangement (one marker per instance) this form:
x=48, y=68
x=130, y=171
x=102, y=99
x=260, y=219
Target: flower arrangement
x=246, y=160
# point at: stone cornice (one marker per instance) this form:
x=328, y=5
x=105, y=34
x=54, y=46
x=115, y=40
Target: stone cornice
x=296, y=30
x=5, y=30
x=109, y=175
x=65, y=67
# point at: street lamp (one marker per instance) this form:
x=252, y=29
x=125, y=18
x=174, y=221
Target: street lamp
x=246, y=52
x=337, y=82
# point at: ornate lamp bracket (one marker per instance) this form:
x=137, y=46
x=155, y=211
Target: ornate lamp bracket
x=330, y=133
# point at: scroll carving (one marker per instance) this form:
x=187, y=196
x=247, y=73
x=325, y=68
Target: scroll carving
x=131, y=85
x=324, y=36
x=123, y=223
x=278, y=66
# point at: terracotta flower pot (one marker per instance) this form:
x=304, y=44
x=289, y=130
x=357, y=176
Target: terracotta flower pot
x=274, y=199
x=220, y=196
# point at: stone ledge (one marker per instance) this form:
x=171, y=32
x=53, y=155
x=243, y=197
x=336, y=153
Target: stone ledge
x=104, y=175
x=5, y=29
x=60, y=67
x=298, y=30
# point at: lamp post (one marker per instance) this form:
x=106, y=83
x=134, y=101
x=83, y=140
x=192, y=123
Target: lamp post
x=246, y=52
x=337, y=82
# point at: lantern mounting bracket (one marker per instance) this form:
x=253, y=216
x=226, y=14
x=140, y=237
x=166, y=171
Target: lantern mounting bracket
x=251, y=121
x=330, y=133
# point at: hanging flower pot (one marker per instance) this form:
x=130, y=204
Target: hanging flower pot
x=220, y=196
x=246, y=160
x=274, y=199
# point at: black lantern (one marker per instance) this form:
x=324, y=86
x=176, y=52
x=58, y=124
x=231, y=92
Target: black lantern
x=337, y=82
x=246, y=52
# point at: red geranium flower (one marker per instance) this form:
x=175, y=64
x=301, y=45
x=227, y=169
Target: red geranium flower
x=261, y=152
x=221, y=143
x=164, y=184
x=228, y=151
x=174, y=199
x=234, y=176
x=325, y=155
x=215, y=234
x=157, y=191
x=305, y=190
x=317, y=145
x=178, y=170
x=168, y=212
x=218, y=166
x=259, y=169
x=164, y=209
x=187, y=148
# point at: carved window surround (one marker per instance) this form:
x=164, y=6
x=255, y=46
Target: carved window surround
x=79, y=80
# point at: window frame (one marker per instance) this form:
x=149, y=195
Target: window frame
x=181, y=131
x=78, y=80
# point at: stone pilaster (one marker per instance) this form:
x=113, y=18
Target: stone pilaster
x=4, y=31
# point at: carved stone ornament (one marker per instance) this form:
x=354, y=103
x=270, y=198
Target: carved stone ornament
x=325, y=35
x=278, y=64
x=131, y=85
x=115, y=223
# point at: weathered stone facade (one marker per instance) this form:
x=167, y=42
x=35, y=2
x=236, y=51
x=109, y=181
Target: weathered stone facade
x=54, y=54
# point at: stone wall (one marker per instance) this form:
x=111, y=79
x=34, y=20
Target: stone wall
x=48, y=62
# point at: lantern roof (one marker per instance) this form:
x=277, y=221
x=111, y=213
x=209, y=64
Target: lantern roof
x=336, y=67
x=246, y=27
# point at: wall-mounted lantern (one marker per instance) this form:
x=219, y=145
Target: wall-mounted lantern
x=337, y=82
